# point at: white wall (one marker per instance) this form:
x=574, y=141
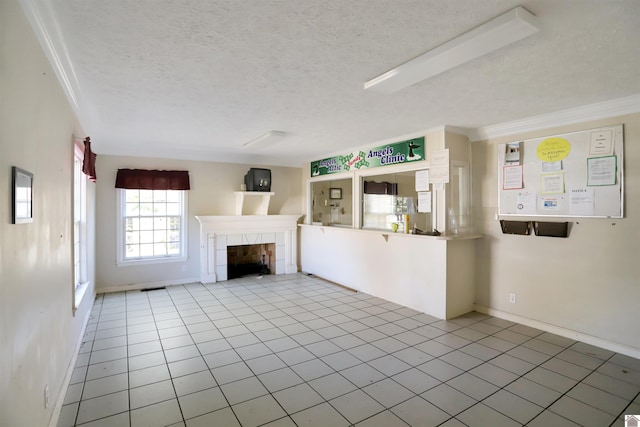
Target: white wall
x=212, y=193
x=38, y=332
x=588, y=283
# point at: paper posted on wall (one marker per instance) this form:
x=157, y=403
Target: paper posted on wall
x=512, y=177
x=552, y=183
x=601, y=143
x=513, y=153
x=601, y=171
x=581, y=201
x=551, y=203
x=422, y=180
x=439, y=166
x=424, y=201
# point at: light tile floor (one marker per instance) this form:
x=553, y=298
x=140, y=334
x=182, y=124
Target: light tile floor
x=294, y=350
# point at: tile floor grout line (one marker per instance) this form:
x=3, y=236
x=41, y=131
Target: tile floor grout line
x=347, y=379
x=324, y=400
x=485, y=361
x=249, y=367
x=547, y=408
x=184, y=420
x=299, y=300
x=166, y=363
x=84, y=381
x=126, y=323
x=539, y=365
x=624, y=410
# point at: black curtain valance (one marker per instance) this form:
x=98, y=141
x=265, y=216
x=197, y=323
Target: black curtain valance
x=89, y=161
x=143, y=179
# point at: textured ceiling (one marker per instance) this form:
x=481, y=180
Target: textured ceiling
x=196, y=79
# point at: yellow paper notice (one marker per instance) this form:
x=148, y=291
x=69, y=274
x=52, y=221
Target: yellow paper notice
x=553, y=149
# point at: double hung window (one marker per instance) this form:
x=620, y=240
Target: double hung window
x=79, y=221
x=152, y=216
x=152, y=225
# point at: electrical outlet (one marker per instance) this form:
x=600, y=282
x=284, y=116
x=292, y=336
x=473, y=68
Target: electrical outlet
x=46, y=396
x=512, y=298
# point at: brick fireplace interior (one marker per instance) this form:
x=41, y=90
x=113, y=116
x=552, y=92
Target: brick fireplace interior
x=244, y=260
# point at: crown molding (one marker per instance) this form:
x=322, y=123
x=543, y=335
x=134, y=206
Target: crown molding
x=45, y=26
x=460, y=131
x=585, y=113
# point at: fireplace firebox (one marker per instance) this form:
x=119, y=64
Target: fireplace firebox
x=246, y=260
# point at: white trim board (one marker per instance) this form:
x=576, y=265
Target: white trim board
x=585, y=113
x=57, y=409
x=146, y=285
x=564, y=332
x=40, y=15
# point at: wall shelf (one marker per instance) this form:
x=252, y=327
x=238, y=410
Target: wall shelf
x=263, y=206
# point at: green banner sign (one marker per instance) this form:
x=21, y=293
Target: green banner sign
x=407, y=151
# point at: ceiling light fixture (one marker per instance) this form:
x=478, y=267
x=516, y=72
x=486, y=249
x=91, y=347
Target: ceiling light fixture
x=266, y=139
x=501, y=31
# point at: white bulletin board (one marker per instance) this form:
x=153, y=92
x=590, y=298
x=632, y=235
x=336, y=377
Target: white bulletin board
x=578, y=174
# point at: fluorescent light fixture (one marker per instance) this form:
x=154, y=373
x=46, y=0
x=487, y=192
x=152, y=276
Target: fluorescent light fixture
x=502, y=31
x=266, y=139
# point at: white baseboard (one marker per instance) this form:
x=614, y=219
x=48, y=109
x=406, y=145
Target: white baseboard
x=146, y=285
x=558, y=330
x=55, y=415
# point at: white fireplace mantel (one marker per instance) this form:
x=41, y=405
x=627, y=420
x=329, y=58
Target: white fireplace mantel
x=218, y=232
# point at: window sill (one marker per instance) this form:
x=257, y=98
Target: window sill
x=148, y=261
x=80, y=292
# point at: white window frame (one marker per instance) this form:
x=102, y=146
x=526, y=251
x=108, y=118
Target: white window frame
x=121, y=261
x=80, y=248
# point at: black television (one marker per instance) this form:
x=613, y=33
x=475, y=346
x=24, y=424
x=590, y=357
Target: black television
x=258, y=179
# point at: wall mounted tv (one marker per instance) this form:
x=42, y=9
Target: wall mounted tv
x=258, y=179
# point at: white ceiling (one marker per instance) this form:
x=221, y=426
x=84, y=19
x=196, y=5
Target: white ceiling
x=196, y=79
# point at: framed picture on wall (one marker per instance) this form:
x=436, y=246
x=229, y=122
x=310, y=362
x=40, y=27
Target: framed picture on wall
x=21, y=196
x=335, y=193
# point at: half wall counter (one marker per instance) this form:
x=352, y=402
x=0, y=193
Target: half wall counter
x=431, y=274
